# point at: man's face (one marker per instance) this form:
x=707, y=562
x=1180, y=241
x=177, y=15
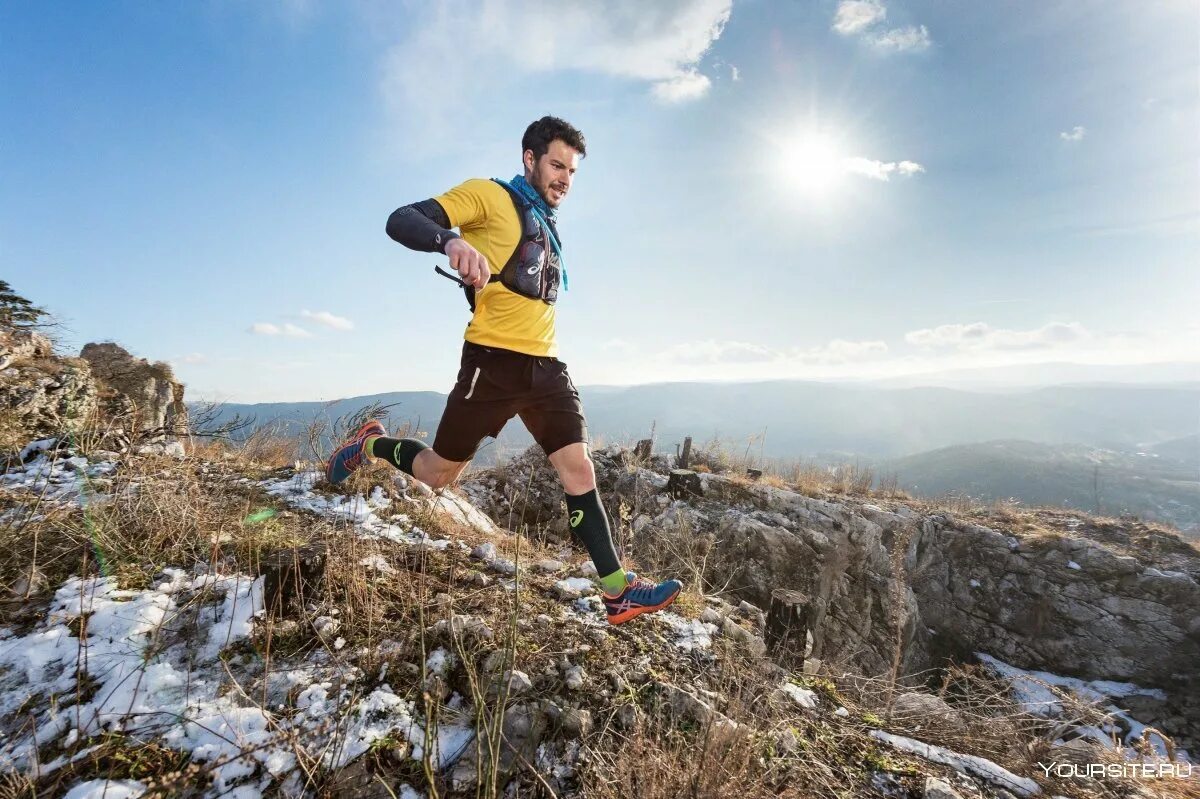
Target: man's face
x=551, y=175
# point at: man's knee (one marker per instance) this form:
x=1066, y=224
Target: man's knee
x=575, y=468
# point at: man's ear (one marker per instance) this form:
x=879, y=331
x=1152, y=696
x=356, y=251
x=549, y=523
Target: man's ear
x=528, y=159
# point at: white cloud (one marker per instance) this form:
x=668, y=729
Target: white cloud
x=689, y=86
x=869, y=168
x=913, y=38
x=328, y=319
x=840, y=351
x=982, y=336
x=191, y=358
x=287, y=330
x=712, y=352
x=464, y=49
x=292, y=331
x=881, y=170
x=854, y=16
x=863, y=18
x=1075, y=134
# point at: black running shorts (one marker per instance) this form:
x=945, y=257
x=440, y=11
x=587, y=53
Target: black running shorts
x=493, y=386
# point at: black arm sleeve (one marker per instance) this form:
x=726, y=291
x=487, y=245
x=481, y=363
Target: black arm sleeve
x=422, y=226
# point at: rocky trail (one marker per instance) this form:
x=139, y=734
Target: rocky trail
x=396, y=642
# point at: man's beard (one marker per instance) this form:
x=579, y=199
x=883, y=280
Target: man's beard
x=543, y=190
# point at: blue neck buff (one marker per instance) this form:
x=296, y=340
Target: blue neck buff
x=522, y=185
x=542, y=209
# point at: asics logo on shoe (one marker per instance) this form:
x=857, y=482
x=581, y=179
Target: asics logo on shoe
x=576, y=518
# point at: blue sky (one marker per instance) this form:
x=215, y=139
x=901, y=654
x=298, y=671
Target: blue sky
x=819, y=189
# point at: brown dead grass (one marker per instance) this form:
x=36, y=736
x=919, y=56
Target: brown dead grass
x=154, y=512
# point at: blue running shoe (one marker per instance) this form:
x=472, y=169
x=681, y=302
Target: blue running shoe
x=640, y=596
x=349, y=456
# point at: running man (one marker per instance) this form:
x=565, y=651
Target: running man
x=509, y=258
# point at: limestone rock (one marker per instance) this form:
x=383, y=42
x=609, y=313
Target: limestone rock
x=937, y=788
x=1115, y=618
x=926, y=710
x=686, y=705
x=754, y=645
x=41, y=394
x=523, y=728
x=146, y=393
x=576, y=723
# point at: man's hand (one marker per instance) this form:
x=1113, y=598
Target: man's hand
x=471, y=265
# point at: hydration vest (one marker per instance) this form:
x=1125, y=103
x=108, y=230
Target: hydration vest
x=534, y=270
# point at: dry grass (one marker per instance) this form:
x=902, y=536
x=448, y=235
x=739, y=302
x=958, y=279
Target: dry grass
x=13, y=434
x=155, y=512
x=679, y=550
x=267, y=447
x=182, y=513
x=803, y=476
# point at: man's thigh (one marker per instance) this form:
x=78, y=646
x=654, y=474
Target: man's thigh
x=479, y=405
x=554, y=413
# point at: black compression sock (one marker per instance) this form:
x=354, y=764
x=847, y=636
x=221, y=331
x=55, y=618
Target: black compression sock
x=590, y=523
x=400, y=452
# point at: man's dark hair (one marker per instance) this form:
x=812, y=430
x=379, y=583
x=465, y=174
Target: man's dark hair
x=539, y=135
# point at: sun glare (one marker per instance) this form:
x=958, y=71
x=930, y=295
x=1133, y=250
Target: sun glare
x=814, y=163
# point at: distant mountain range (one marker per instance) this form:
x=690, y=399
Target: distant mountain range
x=1116, y=447
x=803, y=418
x=1160, y=483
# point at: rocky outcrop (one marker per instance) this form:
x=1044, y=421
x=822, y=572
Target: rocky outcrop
x=116, y=398
x=1067, y=605
x=756, y=538
x=23, y=344
x=1057, y=601
x=1104, y=604
x=143, y=393
x=41, y=394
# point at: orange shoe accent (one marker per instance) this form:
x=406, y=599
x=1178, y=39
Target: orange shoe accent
x=632, y=613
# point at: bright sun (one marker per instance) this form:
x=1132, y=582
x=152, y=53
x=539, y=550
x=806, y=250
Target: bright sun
x=814, y=163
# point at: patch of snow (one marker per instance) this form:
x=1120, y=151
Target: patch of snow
x=154, y=678
x=690, y=634
x=440, y=661
x=801, y=696
x=1033, y=691
x=57, y=481
x=969, y=764
x=1073, y=565
x=1170, y=575
x=574, y=587
x=974, y=583
x=107, y=789
x=383, y=713
x=587, y=607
